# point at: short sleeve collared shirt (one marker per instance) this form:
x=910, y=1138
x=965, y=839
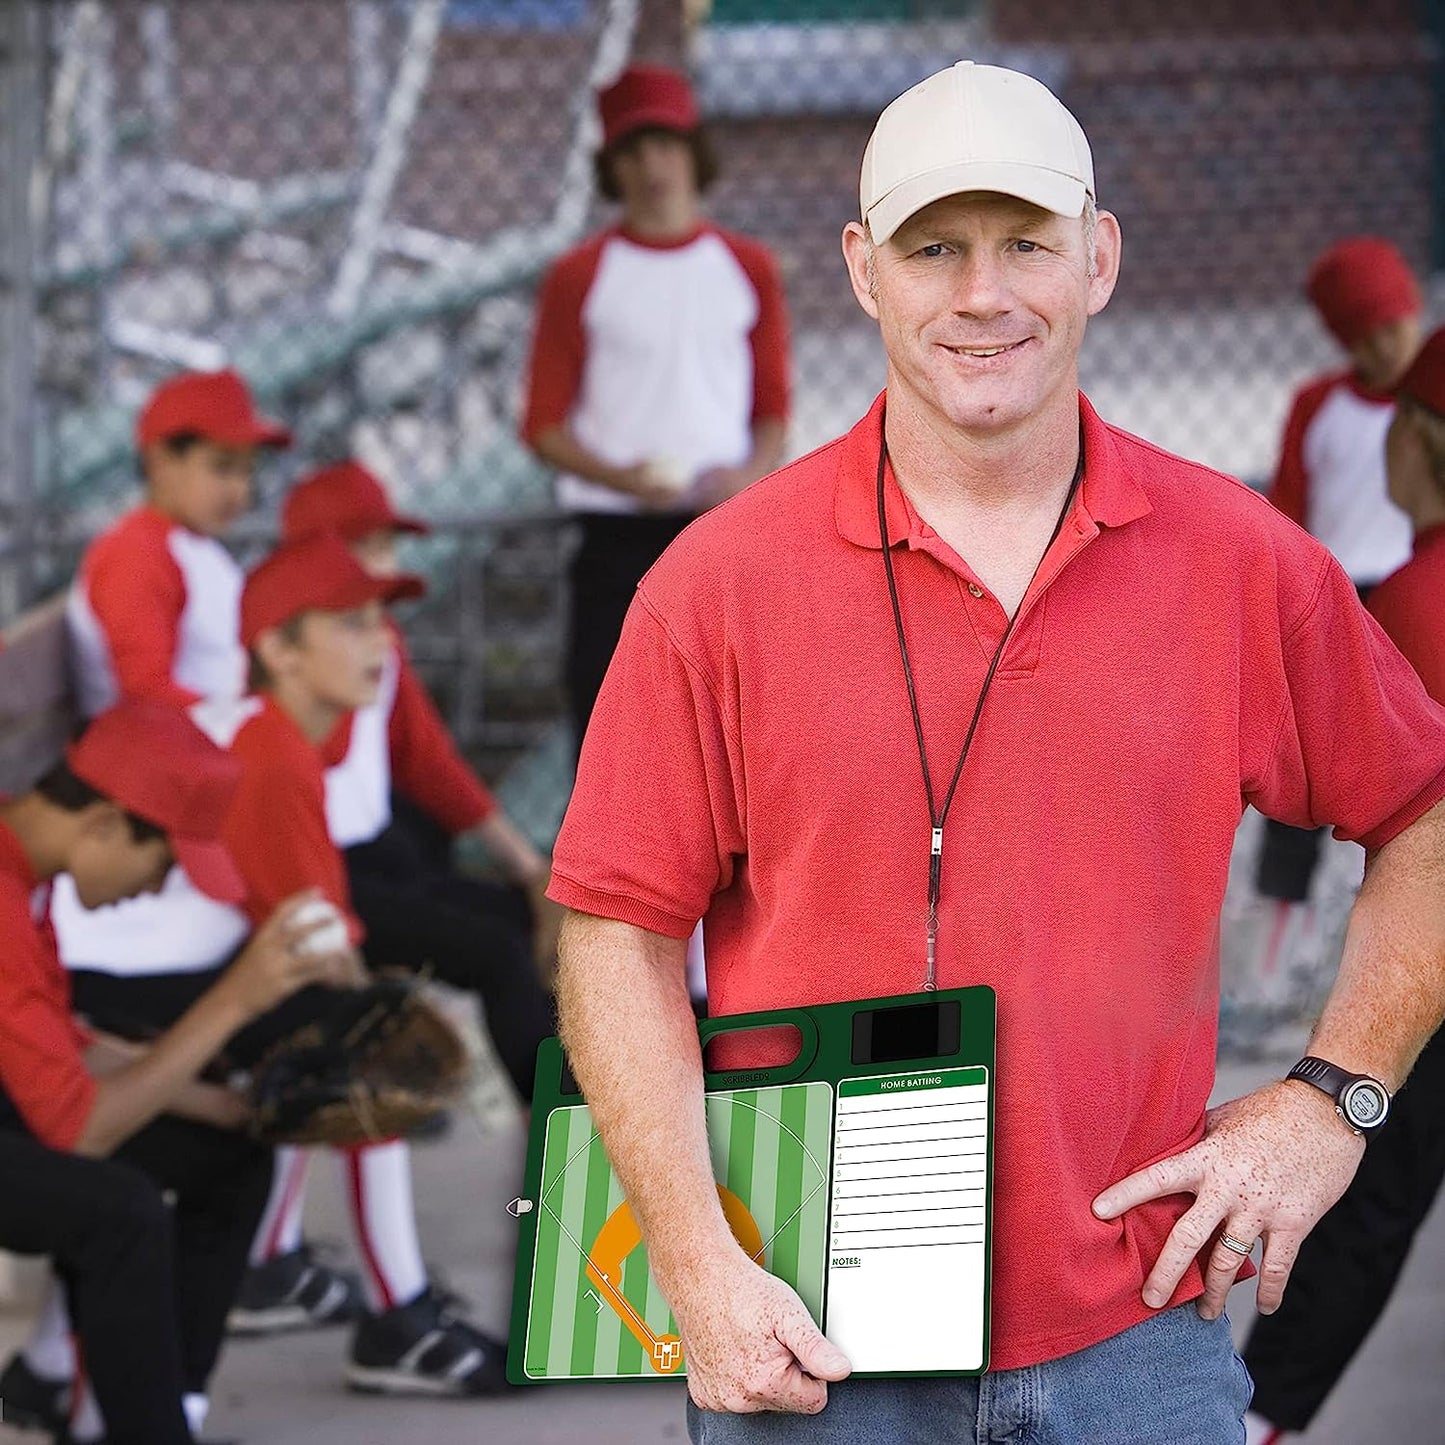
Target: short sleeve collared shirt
x=1184, y=650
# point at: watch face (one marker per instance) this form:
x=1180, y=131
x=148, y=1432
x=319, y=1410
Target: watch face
x=1365, y=1104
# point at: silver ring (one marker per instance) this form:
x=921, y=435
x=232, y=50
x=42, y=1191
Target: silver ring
x=1239, y=1247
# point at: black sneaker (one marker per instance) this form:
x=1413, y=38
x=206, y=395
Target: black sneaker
x=425, y=1348
x=31, y=1402
x=293, y=1292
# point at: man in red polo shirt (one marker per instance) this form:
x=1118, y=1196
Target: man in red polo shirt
x=90, y=1135
x=1347, y=1268
x=1146, y=646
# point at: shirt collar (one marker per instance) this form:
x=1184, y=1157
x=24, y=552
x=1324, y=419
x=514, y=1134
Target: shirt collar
x=1108, y=496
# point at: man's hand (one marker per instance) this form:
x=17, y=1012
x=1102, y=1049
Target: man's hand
x=1269, y=1165
x=280, y=959
x=751, y=1344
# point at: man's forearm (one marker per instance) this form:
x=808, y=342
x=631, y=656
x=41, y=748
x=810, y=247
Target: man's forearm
x=632, y=1041
x=1390, y=993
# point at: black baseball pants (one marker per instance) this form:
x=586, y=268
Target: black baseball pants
x=149, y=1283
x=1348, y=1264
x=616, y=551
x=475, y=936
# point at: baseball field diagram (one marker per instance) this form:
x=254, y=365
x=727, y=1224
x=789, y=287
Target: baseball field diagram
x=595, y=1311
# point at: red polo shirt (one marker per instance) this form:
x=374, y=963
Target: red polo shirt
x=1410, y=606
x=43, y=1078
x=1184, y=650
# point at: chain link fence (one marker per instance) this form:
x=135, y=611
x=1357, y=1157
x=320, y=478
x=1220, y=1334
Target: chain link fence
x=353, y=201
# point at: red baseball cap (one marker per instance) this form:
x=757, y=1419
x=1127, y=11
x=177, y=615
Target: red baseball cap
x=153, y=761
x=1424, y=382
x=646, y=97
x=214, y=404
x=346, y=499
x=317, y=574
x=1362, y=283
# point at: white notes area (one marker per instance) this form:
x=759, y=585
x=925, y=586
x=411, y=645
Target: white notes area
x=908, y=1252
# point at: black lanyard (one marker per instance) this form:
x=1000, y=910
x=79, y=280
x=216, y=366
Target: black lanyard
x=937, y=817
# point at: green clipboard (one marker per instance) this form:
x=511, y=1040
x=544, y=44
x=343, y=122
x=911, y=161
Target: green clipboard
x=861, y=1173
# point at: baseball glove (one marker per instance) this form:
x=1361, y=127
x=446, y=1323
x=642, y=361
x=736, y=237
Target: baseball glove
x=372, y=1067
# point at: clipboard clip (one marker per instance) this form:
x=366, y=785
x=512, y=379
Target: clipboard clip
x=519, y=1206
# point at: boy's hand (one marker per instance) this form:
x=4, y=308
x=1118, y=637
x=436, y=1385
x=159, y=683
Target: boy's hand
x=283, y=956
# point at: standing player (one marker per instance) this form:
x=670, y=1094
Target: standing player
x=1348, y=1267
x=1331, y=472
x=659, y=377
x=92, y=1135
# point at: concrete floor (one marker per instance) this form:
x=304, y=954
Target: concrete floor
x=287, y=1390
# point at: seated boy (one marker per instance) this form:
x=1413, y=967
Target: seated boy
x=90, y=1137
x=153, y=610
x=315, y=628
x=473, y=935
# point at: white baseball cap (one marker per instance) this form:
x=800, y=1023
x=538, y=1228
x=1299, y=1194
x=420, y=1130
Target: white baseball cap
x=973, y=128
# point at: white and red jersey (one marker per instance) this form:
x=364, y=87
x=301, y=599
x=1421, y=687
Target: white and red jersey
x=276, y=832
x=155, y=613
x=651, y=351
x=1331, y=476
x=399, y=738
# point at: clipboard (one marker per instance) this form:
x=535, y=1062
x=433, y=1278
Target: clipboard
x=861, y=1173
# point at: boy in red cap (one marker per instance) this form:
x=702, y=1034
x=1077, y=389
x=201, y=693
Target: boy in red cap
x=153, y=609
x=659, y=375
x=90, y=1135
x=1348, y=1266
x=313, y=621
x=1330, y=477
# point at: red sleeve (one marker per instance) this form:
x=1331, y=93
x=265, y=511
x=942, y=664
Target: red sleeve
x=1289, y=490
x=772, y=371
x=42, y=1068
x=276, y=831
x=655, y=823
x=1358, y=742
x=559, y=343
x=425, y=764
x=1407, y=605
x=137, y=593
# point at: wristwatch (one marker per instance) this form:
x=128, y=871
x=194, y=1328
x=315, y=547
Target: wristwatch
x=1362, y=1102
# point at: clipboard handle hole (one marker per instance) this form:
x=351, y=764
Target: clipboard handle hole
x=750, y=1050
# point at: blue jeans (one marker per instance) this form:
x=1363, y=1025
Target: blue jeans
x=1172, y=1380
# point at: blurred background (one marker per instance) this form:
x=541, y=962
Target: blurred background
x=353, y=200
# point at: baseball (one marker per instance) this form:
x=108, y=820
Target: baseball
x=330, y=937
x=667, y=472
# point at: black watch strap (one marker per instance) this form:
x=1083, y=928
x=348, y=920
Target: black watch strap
x=1338, y=1083
x=1323, y=1075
